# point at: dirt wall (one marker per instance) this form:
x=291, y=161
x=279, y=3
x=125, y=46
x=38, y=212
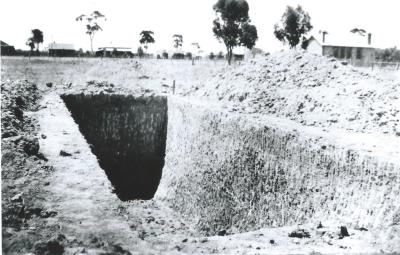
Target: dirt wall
x=236, y=172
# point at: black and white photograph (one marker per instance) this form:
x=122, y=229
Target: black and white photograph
x=152, y=127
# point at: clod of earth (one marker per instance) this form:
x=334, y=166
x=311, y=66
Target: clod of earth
x=17, y=198
x=30, y=146
x=222, y=232
x=65, y=154
x=300, y=233
x=343, y=232
x=52, y=247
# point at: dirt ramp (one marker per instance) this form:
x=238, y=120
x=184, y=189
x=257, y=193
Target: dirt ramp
x=128, y=136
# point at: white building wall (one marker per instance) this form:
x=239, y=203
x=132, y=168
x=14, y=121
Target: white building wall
x=314, y=47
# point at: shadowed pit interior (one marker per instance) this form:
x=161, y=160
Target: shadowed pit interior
x=128, y=136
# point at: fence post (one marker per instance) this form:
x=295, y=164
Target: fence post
x=173, y=88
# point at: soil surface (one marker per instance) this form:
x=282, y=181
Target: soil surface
x=312, y=90
x=57, y=200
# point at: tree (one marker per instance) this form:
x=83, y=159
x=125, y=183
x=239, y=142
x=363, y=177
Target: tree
x=249, y=35
x=165, y=55
x=146, y=38
x=178, y=55
x=188, y=55
x=211, y=56
x=140, y=52
x=358, y=31
x=220, y=55
x=388, y=55
x=178, y=41
x=295, y=23
x=232, y=25
x=114, y=53
x=37, y=38
x=196, y=45
x=80, y=52
x=31, y=45
x=197, y=48
x=92, y=25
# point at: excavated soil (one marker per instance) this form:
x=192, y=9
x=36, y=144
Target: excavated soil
x=236, y=172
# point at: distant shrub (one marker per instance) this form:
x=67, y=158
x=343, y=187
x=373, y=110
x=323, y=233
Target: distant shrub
x=388, y=55
x=165, y=55
x=220, y=55
x=80, y=52
x=140, y=52
x=300, y=233
x=114, y=53
x=178, y=56
x=211, y=56
x=188, y=55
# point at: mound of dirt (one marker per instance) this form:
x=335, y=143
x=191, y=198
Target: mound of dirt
x=17, y=96
x=311, y=89
x=23, y=171
x=102, y=87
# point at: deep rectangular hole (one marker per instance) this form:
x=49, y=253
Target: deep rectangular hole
x=128, y=136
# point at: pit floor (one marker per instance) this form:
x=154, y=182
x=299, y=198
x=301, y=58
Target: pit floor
x=82, y=195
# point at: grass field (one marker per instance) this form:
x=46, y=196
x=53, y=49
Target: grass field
x=148, y=73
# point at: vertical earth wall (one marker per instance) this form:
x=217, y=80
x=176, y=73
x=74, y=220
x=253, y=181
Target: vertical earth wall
x=238, y=173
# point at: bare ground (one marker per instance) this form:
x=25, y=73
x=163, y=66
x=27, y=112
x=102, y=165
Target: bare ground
x=54, y=204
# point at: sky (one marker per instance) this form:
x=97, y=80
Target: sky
x=191, y=18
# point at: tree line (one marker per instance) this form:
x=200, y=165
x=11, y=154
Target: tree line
x=388, y=55
x=232, y=26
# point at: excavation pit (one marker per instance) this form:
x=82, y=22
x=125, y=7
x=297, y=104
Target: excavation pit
x=232, y=171
x=128, y=136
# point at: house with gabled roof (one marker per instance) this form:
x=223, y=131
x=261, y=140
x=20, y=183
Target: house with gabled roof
x=6, y=49
x=353, y=48
x=113, y=51
x=61, y=50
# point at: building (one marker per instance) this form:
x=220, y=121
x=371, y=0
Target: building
x=252, y=53
x=61, y=50
x=355, y=49
x=7, y=50
x=238, y=53
x=237, y=57
x=114, y=52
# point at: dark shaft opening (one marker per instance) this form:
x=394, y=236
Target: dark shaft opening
x=128, y=136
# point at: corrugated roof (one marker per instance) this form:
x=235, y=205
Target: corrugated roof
x=61, y=46
x=345, y=40
x=112, y=48
x=3, y=43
